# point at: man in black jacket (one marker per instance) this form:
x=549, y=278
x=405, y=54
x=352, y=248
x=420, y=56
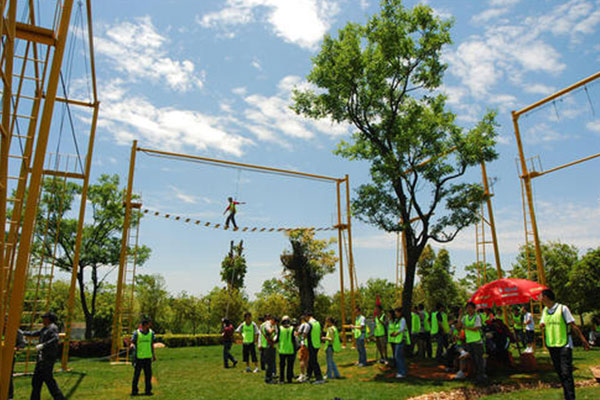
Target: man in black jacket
x=46, y=357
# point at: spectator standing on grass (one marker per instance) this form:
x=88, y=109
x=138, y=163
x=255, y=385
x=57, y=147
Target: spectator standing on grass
x=261, y=343
x=558, y=323
x=249, y=332
x=301, y=335
x=390, y=320
x=286, y=351
x=440, y=330
x=332, y=345
x=143, y=342
x=314, y=344
x=471, y=323
x=415, y=330
x=227, y=335
x=529, y=329
x=269, y=334
x=360, y=330
x=379, y=333
x=47, y=353
x=401, y=338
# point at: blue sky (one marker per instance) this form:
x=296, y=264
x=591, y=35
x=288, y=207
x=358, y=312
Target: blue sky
x=214, y=78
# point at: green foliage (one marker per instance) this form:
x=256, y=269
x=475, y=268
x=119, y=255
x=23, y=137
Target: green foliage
x=153, y=300
x=222, y=303
x=307, y=263
x=437, y=279
x=382, y=78
x=383, y=288
x=584, y=282
x=233, y=267
x=473, y=279
x=178, y=340
x=187, y=313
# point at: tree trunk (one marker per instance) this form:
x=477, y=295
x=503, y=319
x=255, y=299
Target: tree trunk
x=407, y=290
x=581, y=319
x=84, y=306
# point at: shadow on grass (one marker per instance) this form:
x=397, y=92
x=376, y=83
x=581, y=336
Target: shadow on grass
x=73, y=388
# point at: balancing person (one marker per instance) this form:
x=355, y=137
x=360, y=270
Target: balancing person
x=557, y=322
x=232, y=210
x=143, y=342
x=46, y=357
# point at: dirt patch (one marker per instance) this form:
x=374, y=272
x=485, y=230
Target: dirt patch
x=475, y=393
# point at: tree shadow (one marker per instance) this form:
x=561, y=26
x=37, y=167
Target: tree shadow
x=73, y=388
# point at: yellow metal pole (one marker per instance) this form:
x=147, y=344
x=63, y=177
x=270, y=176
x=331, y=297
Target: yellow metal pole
x=535, y=174
x=350, y=256
x=22, y=261
x=78, y=239
x=116, y=329
x=341, y=253
x=527, y=183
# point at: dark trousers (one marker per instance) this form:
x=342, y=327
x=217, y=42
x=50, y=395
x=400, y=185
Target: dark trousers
x=261, y=355
x=269, y=356
x=392, y=361
x=44, y=373
x=227, y=354
x=476, y=352
x=313, y=364
x=562, y=358
x=231, y=218
x=428, y=348
x=442, y=342
x=146, y=365
x=286, y=363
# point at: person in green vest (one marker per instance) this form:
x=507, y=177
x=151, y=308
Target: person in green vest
x=286, y=350
x=471, y=323
x=269, y=335
x=391, y=316
x=314, y=344
x=260, y=342
x=332, y=345
x=516, y=318
x=440, y=330
x=415, y=330
x=143, y=342
x=401, y=338
x=379, y=333
x=425, y=332
x=360, y=330
x=557, y=322
x=249, y=332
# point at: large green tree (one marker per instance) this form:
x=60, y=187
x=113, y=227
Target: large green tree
x=152, y=299
x=383, y=78
x=306, y=264
x=474, y=276
x=584, y=281
x=233, y=267
x=437, y=278
x=101, y=240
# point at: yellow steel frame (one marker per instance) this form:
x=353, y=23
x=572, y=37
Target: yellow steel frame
x=342, y=227
x=15, y=244
x=527, y=176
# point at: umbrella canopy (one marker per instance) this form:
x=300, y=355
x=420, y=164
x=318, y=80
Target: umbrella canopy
x=506, y=292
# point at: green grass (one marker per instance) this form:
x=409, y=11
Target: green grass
x=197, y=373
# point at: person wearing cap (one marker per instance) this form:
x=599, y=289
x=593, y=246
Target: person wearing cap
x=46, y=357
x=286, y=351
x=227, y=334
x=143, y=341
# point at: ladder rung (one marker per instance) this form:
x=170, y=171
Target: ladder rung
x=16, y=156
x=29, y=59
x=20, y=178
x=30, y=78
x=23, y=136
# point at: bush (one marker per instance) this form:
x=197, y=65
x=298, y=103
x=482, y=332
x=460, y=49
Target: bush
x=89, y=348
x=182, y=340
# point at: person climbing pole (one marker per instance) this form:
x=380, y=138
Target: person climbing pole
x=232, y=208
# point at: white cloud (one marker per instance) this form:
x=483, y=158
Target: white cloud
x=256, y=64
x=364, y=4
x=538, y=88
x=503, y=3
x=139, y=51
x=132, y=117
x=489, y=14
x=302, y=22
x=594, y=126
x=543, y=133
x=269, y=116
x=184, y=197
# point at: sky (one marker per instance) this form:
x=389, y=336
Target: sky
x=214, y=79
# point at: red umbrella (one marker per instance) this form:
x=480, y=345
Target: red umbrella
x=506, y=292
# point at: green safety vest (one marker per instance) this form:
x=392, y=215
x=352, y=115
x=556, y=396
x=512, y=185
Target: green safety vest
x=379, y=327
x=286, y=340
x=426, y=321
x=435, y=326
x=332, y=333
x=456, y=334
x=248, y=333
x=471, y=336
x=263, y=338
x=445, y=324
x=144, y=344
x=315, y=334
x=416, y=323
x=518, y=321
x=357, y=331
x=484, y=318
x=556, y=328
x=406, y=334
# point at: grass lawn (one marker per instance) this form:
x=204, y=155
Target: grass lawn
x=197, y=373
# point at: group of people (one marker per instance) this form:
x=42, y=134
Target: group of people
x=292, y=339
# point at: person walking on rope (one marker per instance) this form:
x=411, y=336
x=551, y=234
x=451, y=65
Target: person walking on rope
x=46, y=357
x=142, y=341
x=232, y=210
x=249, y=332
x=227, y=343
x=556, y=321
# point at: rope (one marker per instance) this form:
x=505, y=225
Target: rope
x=237, y=186
x=242, y=229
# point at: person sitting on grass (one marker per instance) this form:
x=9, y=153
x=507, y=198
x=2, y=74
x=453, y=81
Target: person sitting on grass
x=332, y=345
x=401, y=338
x=249, y=332
x=143, y=342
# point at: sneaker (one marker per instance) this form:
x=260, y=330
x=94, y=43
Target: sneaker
x=463, y=354
x=320, y=381
x=234, y=363
x=302, y=379
x=400, y=376
x=248, y=369
x=460, y=375
x=255, y=370
x=361, y=365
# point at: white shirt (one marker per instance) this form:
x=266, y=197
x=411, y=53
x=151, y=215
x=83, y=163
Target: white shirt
x=303, y=330
x=568, y=317
x=529, y=323
x=402, y=328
